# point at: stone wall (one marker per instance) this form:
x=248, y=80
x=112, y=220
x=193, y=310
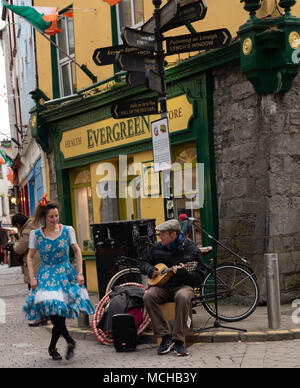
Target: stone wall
x=257, y=152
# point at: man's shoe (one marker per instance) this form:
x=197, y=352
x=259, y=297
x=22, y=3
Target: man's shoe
x=54, y=354
x=70, y=351
x=166, y=345
x=180, y=349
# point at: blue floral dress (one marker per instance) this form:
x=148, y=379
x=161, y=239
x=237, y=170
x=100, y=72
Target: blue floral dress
x=58, y=292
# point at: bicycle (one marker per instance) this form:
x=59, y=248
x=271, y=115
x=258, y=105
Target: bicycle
x=126, y=273
x=237, y=288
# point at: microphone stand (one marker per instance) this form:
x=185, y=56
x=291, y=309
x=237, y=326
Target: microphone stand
x=217, y=323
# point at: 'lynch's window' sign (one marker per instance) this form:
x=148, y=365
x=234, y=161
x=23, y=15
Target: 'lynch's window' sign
x=112, y=133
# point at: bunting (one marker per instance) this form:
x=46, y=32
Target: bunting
x=10, y=175
x=112, y=2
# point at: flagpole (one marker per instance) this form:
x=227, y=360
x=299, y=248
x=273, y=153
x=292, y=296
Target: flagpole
x=57, y=46
x=82, y=67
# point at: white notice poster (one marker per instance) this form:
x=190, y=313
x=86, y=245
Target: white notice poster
x=161, y=145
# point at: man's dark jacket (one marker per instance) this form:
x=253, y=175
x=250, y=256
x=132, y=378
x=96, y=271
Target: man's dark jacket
x=170, y=256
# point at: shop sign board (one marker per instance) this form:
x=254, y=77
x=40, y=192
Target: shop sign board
x=201, y=41
x=142, y=107
x=110, y=133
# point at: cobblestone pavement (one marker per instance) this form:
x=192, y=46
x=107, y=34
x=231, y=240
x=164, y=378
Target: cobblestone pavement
x=22, y=346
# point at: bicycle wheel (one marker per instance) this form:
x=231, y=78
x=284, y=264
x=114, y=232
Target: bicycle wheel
x=127, y=275
x=237, y=292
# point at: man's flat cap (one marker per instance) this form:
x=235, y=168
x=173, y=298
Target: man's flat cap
x=169, y=225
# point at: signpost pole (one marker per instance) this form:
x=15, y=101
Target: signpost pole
x=160, y=54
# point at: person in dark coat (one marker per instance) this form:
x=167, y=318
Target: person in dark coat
x=173, y=251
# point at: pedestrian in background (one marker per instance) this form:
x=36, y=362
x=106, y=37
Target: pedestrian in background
x=25, y=225
x=57, y=290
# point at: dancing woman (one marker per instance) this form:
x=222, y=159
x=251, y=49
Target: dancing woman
x=57, y=290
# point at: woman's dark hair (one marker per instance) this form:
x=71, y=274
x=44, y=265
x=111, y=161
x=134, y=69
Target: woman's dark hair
x=41, y=212
x=19, y=219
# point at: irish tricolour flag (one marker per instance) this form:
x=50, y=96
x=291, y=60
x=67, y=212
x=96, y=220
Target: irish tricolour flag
x=43, y=18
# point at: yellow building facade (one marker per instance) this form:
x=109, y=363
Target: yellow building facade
x=93, y=28
x=89, y=143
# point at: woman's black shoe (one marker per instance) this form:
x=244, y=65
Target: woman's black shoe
x=70, y=351
x=54, y=354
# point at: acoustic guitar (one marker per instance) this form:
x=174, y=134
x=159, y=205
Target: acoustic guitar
x=165, y=273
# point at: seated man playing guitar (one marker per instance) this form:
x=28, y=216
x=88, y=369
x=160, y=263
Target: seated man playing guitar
x=174, y=283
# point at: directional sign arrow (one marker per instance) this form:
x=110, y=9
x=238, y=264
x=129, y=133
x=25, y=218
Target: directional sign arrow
x=139, y=39
x=134, y=62
x=135, y=78
x=190, y=13
x=196, y=42
x=143, y=107
x=167, y=13
x=107, y=55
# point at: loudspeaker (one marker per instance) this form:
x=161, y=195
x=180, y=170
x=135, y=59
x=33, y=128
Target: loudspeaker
x=124, y=332
x=115, y=239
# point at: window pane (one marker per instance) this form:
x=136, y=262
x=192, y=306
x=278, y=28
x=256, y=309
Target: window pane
x=84, y=217
x=138, y=11
x=74, y=84
x=125, y=14
x=66, y=80
x=71, y=35
x=62, y=38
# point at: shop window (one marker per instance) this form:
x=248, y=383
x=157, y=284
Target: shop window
x=83, y=209
x=182, y=189
x=66, y=68
x=130, y=13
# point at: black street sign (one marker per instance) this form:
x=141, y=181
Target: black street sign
x=167, y=13
x=144, y=107
x=135, y=78
x=155, y=82
x=139, y=39
x=196, y=42
x=107, y=55
x=134, y=62
x=187, y=14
